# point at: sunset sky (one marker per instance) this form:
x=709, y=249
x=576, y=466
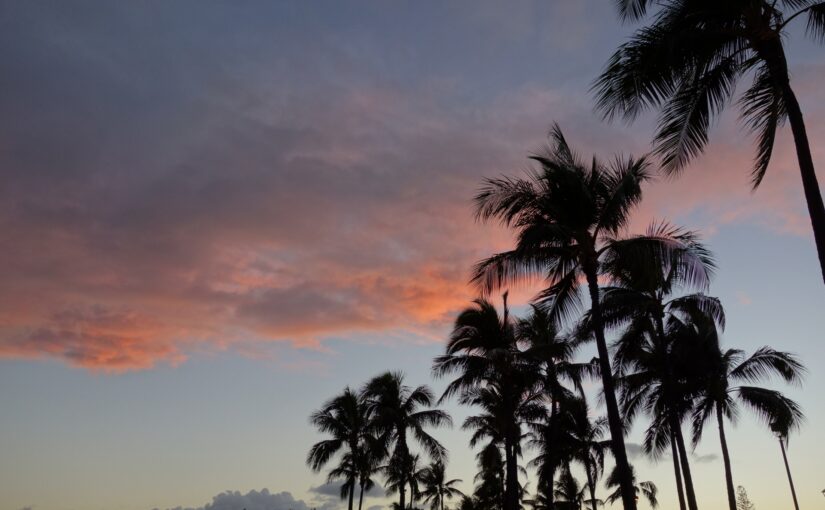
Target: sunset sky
x=215, y=215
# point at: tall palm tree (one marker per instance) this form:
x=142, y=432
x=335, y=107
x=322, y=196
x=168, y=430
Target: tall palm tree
x=398, y=410
x=647, y=489
x=567, y=216
x=640, y=298
x=345, y=418
x=720, y=394
x=687, y=61
x=494, y=373
x=436, y=488
x=782, y=426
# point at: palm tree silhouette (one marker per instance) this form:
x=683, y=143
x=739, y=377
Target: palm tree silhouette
x=567, y=216
x=639, y=299
x=552, y=353
x=721, y=396
x=647, y=489
x=687, y=62
x=495, y=374
x=586, y=444
x=436, y=488
x=397, y=409
x=782, y=424
x=344, y=418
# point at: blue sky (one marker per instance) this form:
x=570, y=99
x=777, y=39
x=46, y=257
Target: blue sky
x=215, y=215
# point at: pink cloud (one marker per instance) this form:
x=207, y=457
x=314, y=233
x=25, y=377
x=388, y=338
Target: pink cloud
x=298, y=222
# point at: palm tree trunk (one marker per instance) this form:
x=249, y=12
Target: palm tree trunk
x=813, y=196
x=680, y=490
x=774, y=56
x=609, y=386
x=591, y=483
x=351, y=492
x=720, y=419
x=683, y=458
x=788, y=470
x=361, y=497
x=511, y=487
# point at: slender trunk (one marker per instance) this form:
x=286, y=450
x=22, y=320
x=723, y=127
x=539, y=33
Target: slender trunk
x=351, y=492
x=591, y=483
x=676, y=469
x=683, y=458
x=720, y=419
x=774, y=56
x=511, y=487
x=361, y=496
x=613, y=418
x=551, y=497
x=788, y=470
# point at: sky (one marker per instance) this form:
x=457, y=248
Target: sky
x=216, y=215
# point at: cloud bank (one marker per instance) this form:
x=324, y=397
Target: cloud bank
x=176, y=190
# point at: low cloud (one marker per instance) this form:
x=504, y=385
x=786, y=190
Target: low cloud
x=257, y=500
x=334, y=490
x=705, y=459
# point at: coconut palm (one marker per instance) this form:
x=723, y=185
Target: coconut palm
x=586, y=444
x=345, y=419
x=722, y=396
x=687, y=61
x=436, y=489
x=398, y=410
x=657, y=378
x=494, y=373
x=567, y=216
x=568, y=494
x=782, y=424
x=638, y=301
x=647, y=490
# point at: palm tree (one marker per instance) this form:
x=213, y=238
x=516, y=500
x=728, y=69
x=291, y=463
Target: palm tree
x=687, y=63
x=721, y=396
x=647, y=489
x=345, y=418
x=660, y=378
x=437, y=489
x=586, y=444
x=639, y=299
x=397, y=410
x=368, y=461
x=567, y=216
x=495, y=374
x=489, y=493
x=552, y=354
x=782, y=424
x=568, y=494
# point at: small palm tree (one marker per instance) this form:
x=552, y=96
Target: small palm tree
x=493, y=373
x=647, y=490
x=782, y=424
x=721, y=396
x=687, y=62
x=436, y=488
x=345, y=418
x=567, y=215
x=398, y=410
x=586, y=444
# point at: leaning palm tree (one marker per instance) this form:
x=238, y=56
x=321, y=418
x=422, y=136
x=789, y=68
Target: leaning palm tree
x=687, y=61
x=436, y=488
x=398, y=410
x=567, y=215
x=647, y=489
x=721, y=396
x=782, y=424
x=345, y=418
x=495, y=374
